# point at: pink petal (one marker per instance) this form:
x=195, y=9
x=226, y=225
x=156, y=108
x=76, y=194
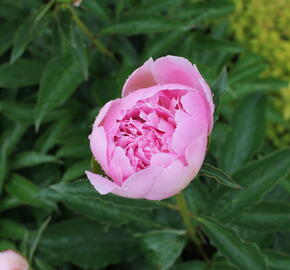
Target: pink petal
x=120, y=162
x=139, y=184
x=162, y=159
x=102, y=113
x=98, y=144
x=188, y=128
x=173, y=69
x=173, y=179
x=195, y=152
x=141, y=78
x=100, y=183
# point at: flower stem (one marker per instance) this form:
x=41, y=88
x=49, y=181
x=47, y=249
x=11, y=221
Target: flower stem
x=186, y=217
x=89, y=34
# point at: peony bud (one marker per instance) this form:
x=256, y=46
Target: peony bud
x=10, y=260
x=152, y=142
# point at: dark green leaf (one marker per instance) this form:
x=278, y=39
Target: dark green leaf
x=192, y=265
x=247, y=133
x=30, y=159
x=24, y=34
x=9, y=229
x=7, y=31
x=81, y=198
x=26, y=192
x=16, y=111
x=267, y=216
x=87, y=244
x=218, y=89
x=218, y=175
x=241, y=254
x=277, y=260
x=154, y=244
x=8, y=142
x=60, y=79
x=140, y=26
x=4, y=245
x=76, y=171
x=257, y=179
x=248, y=67
x=27, y=72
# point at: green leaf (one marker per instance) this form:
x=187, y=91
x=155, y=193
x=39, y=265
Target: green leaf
x=84, y=189
x=37, y=238
x=161, y=44
x=86, y=244
x=257, y=178
x=76, y=171
x=10, y=203
x=25, y=191
x=41, y=265
x=218, y=89
x=191, y=265
x=247, y=68
x=241, y=254
x=60, y=79
x=142, y=26
x=9, y=229
x=74, y=147
x=277, y=260
x=264, y=85
x=98, y=10
x=218, y=175
x=27, y=72
x=154, y=243
x=266, y=216
x=82, y=198
x=30, y=159
x=4, y=245
x=53, y=134
x=206, y=10
x=17, y=111
x=9, y=141
x=247, y=133
x=7, y=31
x=24, y=34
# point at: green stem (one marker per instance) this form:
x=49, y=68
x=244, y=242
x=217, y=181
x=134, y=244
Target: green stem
x=88, y=33
x=186, y=217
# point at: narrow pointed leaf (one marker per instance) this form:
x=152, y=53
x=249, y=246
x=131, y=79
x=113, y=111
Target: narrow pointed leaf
x=218, y=175
x=247, y=133
x=60, y=79
x=241, y=254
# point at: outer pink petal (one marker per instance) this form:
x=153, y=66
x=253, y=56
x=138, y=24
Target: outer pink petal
x=173, y=179
x=98, y=144
x=190, y=125
x=100, y=183
x=173, y=69
x=195, y=153
x=140, y=183
x=10, y=260
x=141, y=78
x=102, y=113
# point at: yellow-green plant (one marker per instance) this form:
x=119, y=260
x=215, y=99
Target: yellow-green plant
x=263, y=25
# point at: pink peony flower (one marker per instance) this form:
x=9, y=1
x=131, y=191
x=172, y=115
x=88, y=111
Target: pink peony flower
x=10, y=260
x=152, y=141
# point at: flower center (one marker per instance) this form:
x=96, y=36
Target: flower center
x=146, y=129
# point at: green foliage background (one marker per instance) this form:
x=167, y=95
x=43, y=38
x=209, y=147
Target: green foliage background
x=61, y=63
